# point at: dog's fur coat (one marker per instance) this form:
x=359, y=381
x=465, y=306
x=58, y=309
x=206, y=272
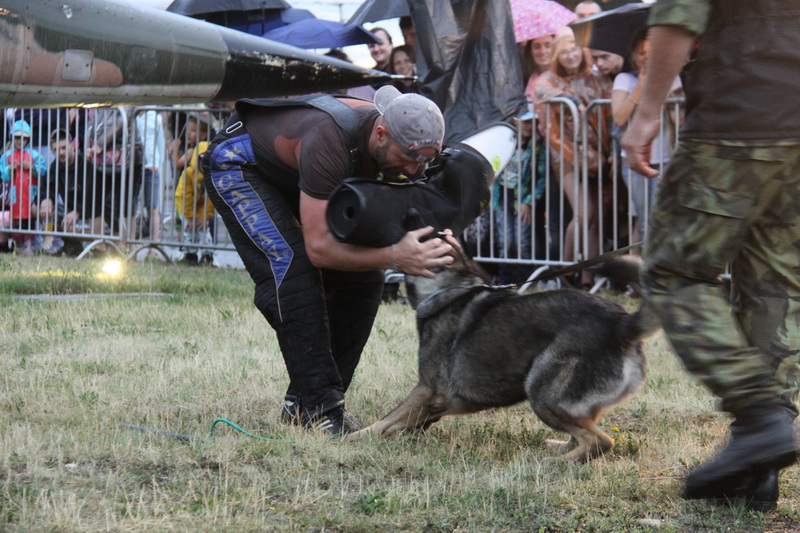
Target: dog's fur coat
x=571, y=354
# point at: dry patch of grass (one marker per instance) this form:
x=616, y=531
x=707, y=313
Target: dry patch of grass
x=73, y=371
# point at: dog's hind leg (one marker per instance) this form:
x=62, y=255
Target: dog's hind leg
x=549, y=387
x=419, y=409
x=590, y=440
x=568, y=397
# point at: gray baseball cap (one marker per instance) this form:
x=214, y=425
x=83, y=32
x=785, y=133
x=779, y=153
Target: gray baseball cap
x=414, y=122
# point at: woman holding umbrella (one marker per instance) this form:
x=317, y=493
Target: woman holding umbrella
x=535, y=25
x=537, y=54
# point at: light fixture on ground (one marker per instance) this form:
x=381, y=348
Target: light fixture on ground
x=113, y=268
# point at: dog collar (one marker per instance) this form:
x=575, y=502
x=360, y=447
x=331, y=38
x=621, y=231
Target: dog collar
x=437, y=300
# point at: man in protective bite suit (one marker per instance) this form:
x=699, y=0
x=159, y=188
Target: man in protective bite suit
x=269, y=174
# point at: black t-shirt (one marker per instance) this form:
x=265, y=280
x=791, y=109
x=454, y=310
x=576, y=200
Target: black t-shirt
x=67, y=181
x=324, y=160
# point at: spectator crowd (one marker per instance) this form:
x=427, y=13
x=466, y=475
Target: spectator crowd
x=62, y=169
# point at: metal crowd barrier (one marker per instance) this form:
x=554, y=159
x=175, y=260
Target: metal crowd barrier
x=44, y=200
x=131, y=181
x=109, y=177
x=605, y=221
x=493, y=238
x=173, y=211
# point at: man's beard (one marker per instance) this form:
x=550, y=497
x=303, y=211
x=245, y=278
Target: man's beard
x=381, y=158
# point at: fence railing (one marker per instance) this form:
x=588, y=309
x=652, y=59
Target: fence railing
x=130, y=178
x=122, y=177
x=171, y=209
x=577, y=175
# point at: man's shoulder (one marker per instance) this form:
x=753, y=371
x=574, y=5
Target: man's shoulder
x=356, y=102
x=624, y=80
x=362, y=119
x=325, y=109
x=364, y=110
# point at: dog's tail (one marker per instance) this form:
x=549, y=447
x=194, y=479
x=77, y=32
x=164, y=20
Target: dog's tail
x=621, y=269
x=641, y=324
x=626, y=270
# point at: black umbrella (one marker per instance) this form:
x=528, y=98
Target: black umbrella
x=612, y=31
x=319, y=33
x=193, y=8
x=374, y=10
x=250, y=16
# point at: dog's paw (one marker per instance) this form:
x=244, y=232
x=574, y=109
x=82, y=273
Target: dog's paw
x=356, y=435
x=559, y=445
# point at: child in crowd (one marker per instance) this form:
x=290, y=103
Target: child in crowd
x=511, y=204
x=196, y=130
x=191, y=201
x=22, y=167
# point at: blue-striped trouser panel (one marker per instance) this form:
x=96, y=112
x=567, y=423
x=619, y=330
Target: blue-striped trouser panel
x=228, y=179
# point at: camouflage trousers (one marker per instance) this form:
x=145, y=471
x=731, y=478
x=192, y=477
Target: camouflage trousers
x=720, y=206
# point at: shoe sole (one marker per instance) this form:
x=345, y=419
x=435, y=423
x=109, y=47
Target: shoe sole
x=762, y=506
x=713, y=488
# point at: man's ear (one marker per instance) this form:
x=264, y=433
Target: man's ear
x=381, y=133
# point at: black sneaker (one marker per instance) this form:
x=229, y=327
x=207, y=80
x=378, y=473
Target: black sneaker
x=351, y=423
x=289, y=412
x=331, y=422
x=289, y=415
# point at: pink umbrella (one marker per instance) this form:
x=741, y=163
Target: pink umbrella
x=537, y=18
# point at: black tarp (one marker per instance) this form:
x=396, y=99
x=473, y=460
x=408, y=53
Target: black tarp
x=467, y=62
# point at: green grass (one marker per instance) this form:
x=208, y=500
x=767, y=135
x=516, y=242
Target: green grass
x=64, y=276
x=72, y=371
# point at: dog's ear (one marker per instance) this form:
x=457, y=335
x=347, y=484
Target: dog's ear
x=450, y=239
x=462, y=259
x=458, y=253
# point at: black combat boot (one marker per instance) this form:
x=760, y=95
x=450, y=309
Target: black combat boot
x=762, y=442
x=757, y=491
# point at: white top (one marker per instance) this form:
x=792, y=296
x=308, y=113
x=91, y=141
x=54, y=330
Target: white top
x=626, y=81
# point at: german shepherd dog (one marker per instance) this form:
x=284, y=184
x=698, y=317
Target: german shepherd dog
x=570, y=353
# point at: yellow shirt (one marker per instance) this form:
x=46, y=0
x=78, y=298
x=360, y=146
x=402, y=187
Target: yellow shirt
x=191, y=200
